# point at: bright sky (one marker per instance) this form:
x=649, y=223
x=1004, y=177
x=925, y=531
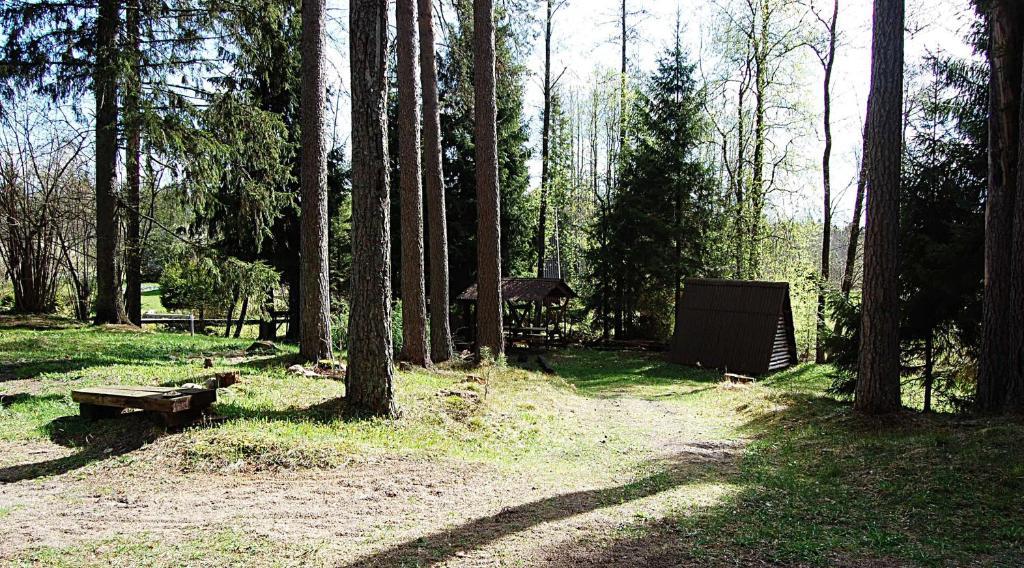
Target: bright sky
x=586, y=36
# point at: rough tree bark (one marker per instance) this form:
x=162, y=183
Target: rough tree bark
x=414, y=301
x=828, y=59
x=133, y=170
x=1015, y=390
x=1000, y=328
x=488, y=310
x=109, y=302
x=369, y=382
x=878, y=385
x=440, y=327
x=314, y=283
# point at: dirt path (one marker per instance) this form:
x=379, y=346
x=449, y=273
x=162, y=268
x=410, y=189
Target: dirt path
x=380, y=512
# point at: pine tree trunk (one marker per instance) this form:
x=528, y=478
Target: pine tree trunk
x=1015, y=394
x=878, y=385
x=929, y=369
x=133, y=171
x=315, y=289
x=230, y=316
x=369, y=381
x=1000, y=328
x=489, y=324
x=826, y=184
x=109, y=302
x=414, y=301
x=440, y=327
x=241, y=317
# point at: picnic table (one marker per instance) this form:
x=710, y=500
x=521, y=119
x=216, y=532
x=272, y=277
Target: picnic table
x=174, y=406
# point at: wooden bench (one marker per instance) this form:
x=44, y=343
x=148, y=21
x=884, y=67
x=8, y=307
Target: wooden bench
x=175, y=406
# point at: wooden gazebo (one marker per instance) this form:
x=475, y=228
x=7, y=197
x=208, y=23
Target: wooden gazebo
x=534, y=309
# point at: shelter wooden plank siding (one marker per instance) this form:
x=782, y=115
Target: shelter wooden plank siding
x=736, y=325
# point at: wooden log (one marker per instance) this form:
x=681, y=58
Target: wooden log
x=156, y=399
x=738, y=379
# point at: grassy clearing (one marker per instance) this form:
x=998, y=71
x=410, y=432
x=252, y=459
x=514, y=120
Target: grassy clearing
x=814, y=484
x=279, y=420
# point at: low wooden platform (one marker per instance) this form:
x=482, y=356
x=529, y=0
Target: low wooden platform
x=174, y=406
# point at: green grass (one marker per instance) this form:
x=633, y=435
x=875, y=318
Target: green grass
x=645, y=375
x=815, y=484
x=151, y=299
x=229, y=547
x=819, y=484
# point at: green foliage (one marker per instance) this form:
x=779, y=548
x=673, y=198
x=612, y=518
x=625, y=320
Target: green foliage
x=518, y=207
x=843, y=342
x=666, y=216
x=6, y=298
x=942, y=237
x=943, y=224
x=339, y=244
x=207, y=284
x=239, y=184
x=191, y=283
x=247, y=206
x=792, y=254
x=339, y=323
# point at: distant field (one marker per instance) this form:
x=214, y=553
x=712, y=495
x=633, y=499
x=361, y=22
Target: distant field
x=151, y=299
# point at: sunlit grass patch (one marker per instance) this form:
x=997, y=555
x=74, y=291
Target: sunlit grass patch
x=223, y=547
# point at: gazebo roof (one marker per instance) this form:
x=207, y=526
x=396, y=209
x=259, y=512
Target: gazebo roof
x=526, y=290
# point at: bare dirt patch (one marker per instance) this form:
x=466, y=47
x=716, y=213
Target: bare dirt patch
x=373, y=511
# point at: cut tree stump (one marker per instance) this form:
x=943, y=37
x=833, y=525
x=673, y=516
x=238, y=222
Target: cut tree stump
x=174, y=406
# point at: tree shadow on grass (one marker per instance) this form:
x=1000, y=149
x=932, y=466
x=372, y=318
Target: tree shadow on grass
x=324, y=412
x=280, y=361
x=682, y=468
x=30, y=369
x=122, y=354
x=822, y=486
x=37, y=322
x=12, y=399
x=608, y=373
x=95, y=441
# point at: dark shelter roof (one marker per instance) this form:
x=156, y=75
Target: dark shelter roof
x=526, y=290
x=738, y=325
